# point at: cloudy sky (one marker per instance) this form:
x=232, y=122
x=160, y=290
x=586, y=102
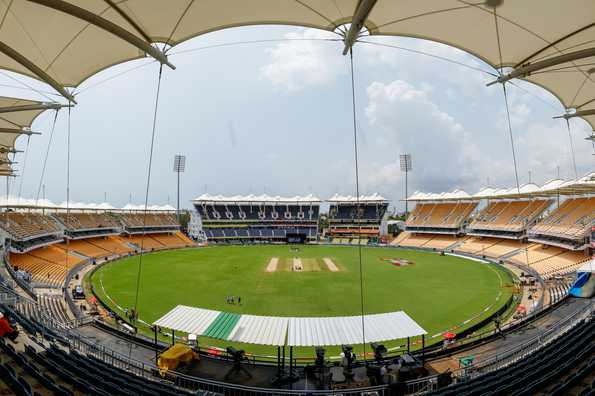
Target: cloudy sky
x=276, y=117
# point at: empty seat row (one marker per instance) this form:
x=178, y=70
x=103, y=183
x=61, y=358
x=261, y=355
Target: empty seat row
x=528, y=375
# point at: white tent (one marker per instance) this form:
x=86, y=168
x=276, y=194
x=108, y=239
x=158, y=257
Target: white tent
x=348, y=329
x=290, y=331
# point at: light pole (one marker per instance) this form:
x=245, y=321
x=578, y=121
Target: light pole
x=179, y=167
x=405, y=160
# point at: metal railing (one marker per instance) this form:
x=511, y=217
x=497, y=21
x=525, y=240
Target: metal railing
x=81, y=344
x=75, y=341
x=509, y=356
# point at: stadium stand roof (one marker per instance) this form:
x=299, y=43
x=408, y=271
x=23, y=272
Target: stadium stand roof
x=29, y=203
x=207, y=198
x=64, y=42
x=351, y=199
x=152, y=208
x=291, y=331
x=19, y=202
x=581, y=185
x=85, y=206
x=456, y=195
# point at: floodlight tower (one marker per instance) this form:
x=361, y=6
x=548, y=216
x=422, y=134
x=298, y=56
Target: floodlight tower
x=406, y=167
x=179, y=167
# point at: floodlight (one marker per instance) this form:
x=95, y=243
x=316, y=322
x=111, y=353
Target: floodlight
x=179, y=163
x=405, y=160
x=406, y=166
x=179, y=167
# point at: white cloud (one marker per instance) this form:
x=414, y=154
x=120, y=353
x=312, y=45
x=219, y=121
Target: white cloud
x=547, y=146
x=415, y=58
x=296, y=64
x=445, y=154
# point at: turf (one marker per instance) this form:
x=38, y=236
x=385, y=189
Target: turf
x=438, y=292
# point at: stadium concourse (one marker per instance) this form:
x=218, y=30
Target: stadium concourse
x=546, y=231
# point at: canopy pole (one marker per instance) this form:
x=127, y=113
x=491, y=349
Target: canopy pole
x=17, y=131
x=156, y=348
x=578, y=113
x=408, y=345
x=363, y=9
x=67, y=251
x=528, y=68
x=24, y=167
x=571, y=148
x=423, y=349
x=35, y=106
x=359, y=224
x=149, y=166
x=45, y=160
x=516, y=172
x=290, y=376
x=278, y=361
x=173, y=337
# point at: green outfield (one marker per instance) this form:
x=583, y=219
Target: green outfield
x=438, y=292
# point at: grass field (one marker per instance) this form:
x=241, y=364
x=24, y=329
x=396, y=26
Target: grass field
x=436, y=291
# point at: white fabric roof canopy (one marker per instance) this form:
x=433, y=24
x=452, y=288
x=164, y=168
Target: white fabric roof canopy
x=581, y=185
x=256, y=199
x=295, y=331
x=348, y=329
x=64, y=42
x=351, y=199
x=264, y=330
x=15, y=122
x=21, y=202
x=188, y=319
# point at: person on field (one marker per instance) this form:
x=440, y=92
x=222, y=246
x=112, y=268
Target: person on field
x=6, y=329
x=239, y=300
